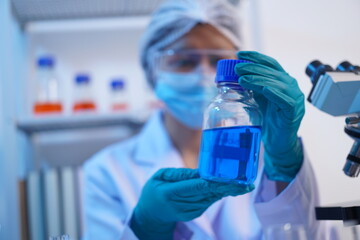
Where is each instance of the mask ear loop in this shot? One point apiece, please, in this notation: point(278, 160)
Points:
point(155, 60)
point(150, 70)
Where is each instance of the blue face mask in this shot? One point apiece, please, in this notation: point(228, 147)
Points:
point(186, 95)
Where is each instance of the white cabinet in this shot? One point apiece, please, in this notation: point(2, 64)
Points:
point(35, 10)
point(83, 36)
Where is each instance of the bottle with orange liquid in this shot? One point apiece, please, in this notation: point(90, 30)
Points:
point(83, 96)
point(118, 95)
point(47, 97)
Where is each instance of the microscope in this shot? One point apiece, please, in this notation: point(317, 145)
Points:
point(337, 92)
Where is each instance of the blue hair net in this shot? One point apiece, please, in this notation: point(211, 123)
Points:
point(174, 18)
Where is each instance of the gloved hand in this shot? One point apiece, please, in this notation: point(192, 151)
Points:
point(176, 194)
point(282, 105)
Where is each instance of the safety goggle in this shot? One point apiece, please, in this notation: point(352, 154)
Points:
point(190, 60)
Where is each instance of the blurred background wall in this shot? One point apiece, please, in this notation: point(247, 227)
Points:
point(293, 32)
point(12, 66)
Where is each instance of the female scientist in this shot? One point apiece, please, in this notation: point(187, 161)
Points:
point(148, 188)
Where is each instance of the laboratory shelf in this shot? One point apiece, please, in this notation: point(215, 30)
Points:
point(40, 10)
point(86, 25)
point(56, 123)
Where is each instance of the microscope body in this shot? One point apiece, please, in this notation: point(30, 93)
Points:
point(337, 92)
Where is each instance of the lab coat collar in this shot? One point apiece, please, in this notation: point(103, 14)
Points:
point(155, 148)
point(154, 142)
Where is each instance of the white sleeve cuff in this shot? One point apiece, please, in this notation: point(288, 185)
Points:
point(128, 233)
point(295, 204)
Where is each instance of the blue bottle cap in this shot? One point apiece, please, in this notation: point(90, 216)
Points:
point(225, 71)
point(82, 78)
point(117, 84)
point(46, 61)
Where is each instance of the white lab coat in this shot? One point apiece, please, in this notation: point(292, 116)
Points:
point(115, 176)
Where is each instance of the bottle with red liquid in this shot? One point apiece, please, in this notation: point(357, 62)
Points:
point(118, 95)
point(47, 91)
point(83, 95)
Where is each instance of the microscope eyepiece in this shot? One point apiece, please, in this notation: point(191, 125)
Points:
point(311, 67)
point(345, 66)
point(315, 69)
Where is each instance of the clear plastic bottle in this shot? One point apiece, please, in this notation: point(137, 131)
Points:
point(119, 100)
point(83, 95)
point(47, 90)
point(231, 135)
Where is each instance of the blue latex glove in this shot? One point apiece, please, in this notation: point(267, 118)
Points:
point(176, 194)
point(282, 105)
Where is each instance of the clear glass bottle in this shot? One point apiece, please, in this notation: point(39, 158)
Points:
point(47, 89)
point(84, 101)
point(119, 99)
point(231, 135)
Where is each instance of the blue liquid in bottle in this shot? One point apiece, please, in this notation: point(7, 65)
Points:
point(230, 154)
